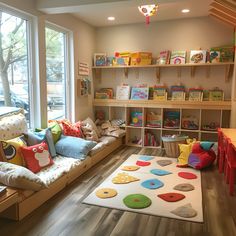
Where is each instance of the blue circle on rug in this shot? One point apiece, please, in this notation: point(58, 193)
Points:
point(145, 158)
point(160, 172)
point(152, 184)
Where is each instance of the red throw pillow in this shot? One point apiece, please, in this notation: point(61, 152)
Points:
point(72, 129)
point(37, 156)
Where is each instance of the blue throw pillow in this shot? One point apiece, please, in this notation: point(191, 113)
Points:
point(33, 138)
point(74, 147)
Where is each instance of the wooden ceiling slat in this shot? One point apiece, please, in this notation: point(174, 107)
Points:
point(223, 9)
point(223, 16)
point(228, 3)
point(222, 19)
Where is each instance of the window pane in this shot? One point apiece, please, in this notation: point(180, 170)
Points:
point(55, 63)
point(14, 89)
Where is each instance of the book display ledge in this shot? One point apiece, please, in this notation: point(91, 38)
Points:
point(148, 120)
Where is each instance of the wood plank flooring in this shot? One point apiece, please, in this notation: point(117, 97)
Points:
point(65, 215)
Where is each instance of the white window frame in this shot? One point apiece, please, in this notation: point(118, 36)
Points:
point(68, 42)
point(31, 43)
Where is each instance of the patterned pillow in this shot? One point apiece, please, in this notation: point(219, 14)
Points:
point(89, 122)
point(36, 157)
point(12, 126)
point(11, 150)
point(71, 129)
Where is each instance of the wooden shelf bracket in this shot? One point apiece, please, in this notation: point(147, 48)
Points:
point(158, 74)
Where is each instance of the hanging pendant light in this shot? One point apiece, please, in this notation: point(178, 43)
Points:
point(148, 10)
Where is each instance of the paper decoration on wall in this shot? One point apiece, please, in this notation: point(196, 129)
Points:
point(148, 10)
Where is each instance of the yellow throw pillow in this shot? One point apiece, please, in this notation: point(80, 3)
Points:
point(185, 150)
point(11, 150)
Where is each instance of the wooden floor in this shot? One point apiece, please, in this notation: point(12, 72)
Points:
point(66, 215)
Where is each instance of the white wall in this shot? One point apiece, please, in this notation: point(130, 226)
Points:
point(184, 34)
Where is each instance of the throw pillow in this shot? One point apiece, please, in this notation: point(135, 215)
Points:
point(37, 156)
point(19, 177)
point(11, 150)
point(90, 122)
point(71, 129)
point(56, 131)
point(74, 147)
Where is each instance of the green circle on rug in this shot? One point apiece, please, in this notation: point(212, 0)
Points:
point(137, 201)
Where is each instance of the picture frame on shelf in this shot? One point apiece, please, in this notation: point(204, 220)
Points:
point(178, 96)
point(100, 59)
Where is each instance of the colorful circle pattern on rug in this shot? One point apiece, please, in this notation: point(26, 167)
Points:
point(137, 201)
point(123, 178)
point(187, 175)
point(143, 163)
point(160, 172)
point(171, 197)
point(106, 193)
point(130, 168)
point(164, 162)
point(152, 184)
point(185, 211)
point(185, 187)
point(145, 158)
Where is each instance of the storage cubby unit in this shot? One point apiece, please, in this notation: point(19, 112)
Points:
point(205, 112)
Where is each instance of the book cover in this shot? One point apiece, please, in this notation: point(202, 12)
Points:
point(139, 93)
point(123, 92)
point(197, 56)
point(159, 94)
point(164, 57)
point(100, 59)
point(195, 94)
point(178, 57)
point(214, 56)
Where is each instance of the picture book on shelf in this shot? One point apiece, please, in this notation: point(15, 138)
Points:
point(197, 56)
point(216, 94)
point(226, 53)
point(164, 57)
point(100, 59)
point(195, 94)
point(139, 93)
point(178, 57)
point(136, 118)
point(123, 92)
point(171, 119)
point(214, 56)
point(159, 93)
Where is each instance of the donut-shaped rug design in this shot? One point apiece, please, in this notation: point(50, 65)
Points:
point(106, 193)
point(185, 187)
point(130, 168)
point(185, 211)
point(171, 197)
point(164, 162)
point(152, 184)
point(123, 178)
point(160, 172)
point(187, 175)
point(143, 163)
point(145, 158)
point(137, 201)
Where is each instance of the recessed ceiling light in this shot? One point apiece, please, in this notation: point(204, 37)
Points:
point(185, 10)
point(111, 18)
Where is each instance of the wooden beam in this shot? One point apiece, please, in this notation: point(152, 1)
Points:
point(223, 9)
point(228, 3)
point(222, 19)
point(223, 16)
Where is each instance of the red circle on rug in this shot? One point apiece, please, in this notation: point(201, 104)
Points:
point(143, 163)
point(187, 175)
point(171, 197)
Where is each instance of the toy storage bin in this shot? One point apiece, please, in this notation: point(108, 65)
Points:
point(171, 144)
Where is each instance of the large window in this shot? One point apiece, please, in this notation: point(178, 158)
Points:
point(14, 66)
point(56, 57)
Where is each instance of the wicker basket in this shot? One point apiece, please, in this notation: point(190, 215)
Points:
point(171, 145)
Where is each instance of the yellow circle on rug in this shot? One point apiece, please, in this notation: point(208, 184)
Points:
point(123, 178)
point(106, 193)
point(130, 168)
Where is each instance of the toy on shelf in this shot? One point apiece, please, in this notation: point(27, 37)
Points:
point(136, 118)
point(171, 119)
point(153, 120)
point(212, 126)
point(190, 122)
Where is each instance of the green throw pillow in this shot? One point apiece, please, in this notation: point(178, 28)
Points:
point(56, 131)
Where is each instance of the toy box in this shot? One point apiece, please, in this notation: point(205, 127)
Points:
point(190, 122)
point(136, 118)
point(141, 58)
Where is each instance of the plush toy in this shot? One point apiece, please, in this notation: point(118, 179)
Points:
point(202, 155)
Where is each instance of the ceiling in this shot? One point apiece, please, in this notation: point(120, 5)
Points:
point(95, 12)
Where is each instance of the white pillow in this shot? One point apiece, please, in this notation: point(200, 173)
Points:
point(19, 177)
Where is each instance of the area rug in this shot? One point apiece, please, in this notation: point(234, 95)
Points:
point(152, 185)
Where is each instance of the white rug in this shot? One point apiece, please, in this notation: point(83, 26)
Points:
point(158, 207)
